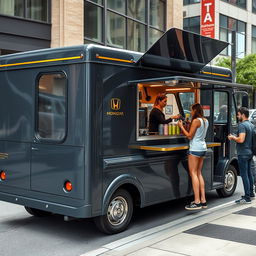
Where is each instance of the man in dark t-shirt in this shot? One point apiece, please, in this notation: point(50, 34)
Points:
point(244, 153)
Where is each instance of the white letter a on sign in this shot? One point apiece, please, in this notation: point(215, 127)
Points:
point(208, 17)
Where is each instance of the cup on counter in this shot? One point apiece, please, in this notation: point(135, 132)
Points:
point(161, 129)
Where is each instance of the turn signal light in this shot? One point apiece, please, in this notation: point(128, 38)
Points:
point(2, 175)
point(68, 186)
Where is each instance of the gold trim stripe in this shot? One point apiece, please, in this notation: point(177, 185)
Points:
point(41, 61)
point(4, 155)
point(215, 74)
point(155, 148)
point(114, 59)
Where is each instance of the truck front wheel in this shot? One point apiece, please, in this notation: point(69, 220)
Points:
point(230, 182)
point(119, 213)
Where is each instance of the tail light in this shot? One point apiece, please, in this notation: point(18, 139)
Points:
point(68, 186)
point(2, 175)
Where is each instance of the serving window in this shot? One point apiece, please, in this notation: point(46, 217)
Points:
point(179, 101)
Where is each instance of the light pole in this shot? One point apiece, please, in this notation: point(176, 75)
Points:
point(233, 56)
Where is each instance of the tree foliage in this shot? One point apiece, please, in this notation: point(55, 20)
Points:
point(245, 69)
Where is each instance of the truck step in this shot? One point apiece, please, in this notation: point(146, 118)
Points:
point(217, 185)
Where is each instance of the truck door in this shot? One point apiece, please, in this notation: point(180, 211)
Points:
point(225, 122)
point(54, 161)
point(220, 121)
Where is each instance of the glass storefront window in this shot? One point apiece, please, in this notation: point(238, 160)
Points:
point(192, 24)
point(253, 39)
point(227, 25)
point(157, 14)
point(92, 22)
point(37, 10)
point(97, 1)
point(117, 5)
point(12, 7)
point(28, 9)
point(137, 9)
point(187, 2)
point(154, 35)
point(136, 36)
point(130, 24)
point(254, 6)
point(116, 30)
point(239, 3)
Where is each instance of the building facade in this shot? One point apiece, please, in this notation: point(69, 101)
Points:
point(24, 25)
point(127, 24)
point(230, 15)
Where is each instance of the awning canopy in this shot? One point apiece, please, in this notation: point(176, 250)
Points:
point(181, 50)
point(190, 82)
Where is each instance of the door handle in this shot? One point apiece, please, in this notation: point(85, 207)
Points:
point(35, 149)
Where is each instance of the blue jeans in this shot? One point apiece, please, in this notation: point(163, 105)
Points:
point(244, 163)
point(197, 153)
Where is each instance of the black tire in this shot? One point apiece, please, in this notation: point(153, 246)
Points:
point(119, 213)
point(36, 212)
point(230, 182)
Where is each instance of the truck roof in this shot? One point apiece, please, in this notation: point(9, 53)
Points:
point(68, 55)
point(176, 50)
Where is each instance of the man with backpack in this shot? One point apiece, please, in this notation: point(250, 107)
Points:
point(244, 140)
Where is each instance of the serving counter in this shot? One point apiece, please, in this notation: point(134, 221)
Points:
point(171, 147)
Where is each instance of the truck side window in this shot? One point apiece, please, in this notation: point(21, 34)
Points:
point(187, 99)
point(233, 113)
point(51, 108)
point(220, 107)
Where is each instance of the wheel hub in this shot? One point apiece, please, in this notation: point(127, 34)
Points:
point(229, 180)
point(117, 211)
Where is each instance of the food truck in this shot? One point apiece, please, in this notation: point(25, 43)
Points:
point(74, 136)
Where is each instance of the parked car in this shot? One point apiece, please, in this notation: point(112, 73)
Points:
point(252, 116)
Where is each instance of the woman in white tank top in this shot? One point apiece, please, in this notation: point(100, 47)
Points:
point(196, 154)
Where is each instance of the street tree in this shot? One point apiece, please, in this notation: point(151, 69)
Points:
point(245, 68)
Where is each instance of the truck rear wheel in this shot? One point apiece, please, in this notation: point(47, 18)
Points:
point(230, 182)
point(119, 213)
point(36, 212)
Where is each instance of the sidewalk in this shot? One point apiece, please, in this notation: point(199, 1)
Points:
point(224, 230)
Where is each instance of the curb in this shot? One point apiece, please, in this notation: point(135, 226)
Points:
point(148, 237)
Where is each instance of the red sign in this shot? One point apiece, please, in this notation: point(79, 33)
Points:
point(208, 18)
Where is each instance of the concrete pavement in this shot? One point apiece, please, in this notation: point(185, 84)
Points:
point(227, 229)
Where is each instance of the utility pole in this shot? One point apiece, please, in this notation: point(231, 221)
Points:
point(233, 56)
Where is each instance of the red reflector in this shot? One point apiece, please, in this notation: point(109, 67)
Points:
point(68, 185)
point(2, 175)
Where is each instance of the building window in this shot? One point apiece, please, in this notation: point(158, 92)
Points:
point(254, 6)
point(187, 2)
point(253, 39)
point(238, 3)
point(94, 18)
point(38, 10)
point(51, 107)
point(227, 25)
point(127, 24)
point(192, 24)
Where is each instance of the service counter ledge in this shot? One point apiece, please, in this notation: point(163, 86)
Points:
point(170, 147)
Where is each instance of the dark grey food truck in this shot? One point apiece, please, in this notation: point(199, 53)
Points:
point(74, 136)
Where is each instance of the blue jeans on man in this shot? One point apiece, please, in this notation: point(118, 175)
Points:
point(244, 162)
